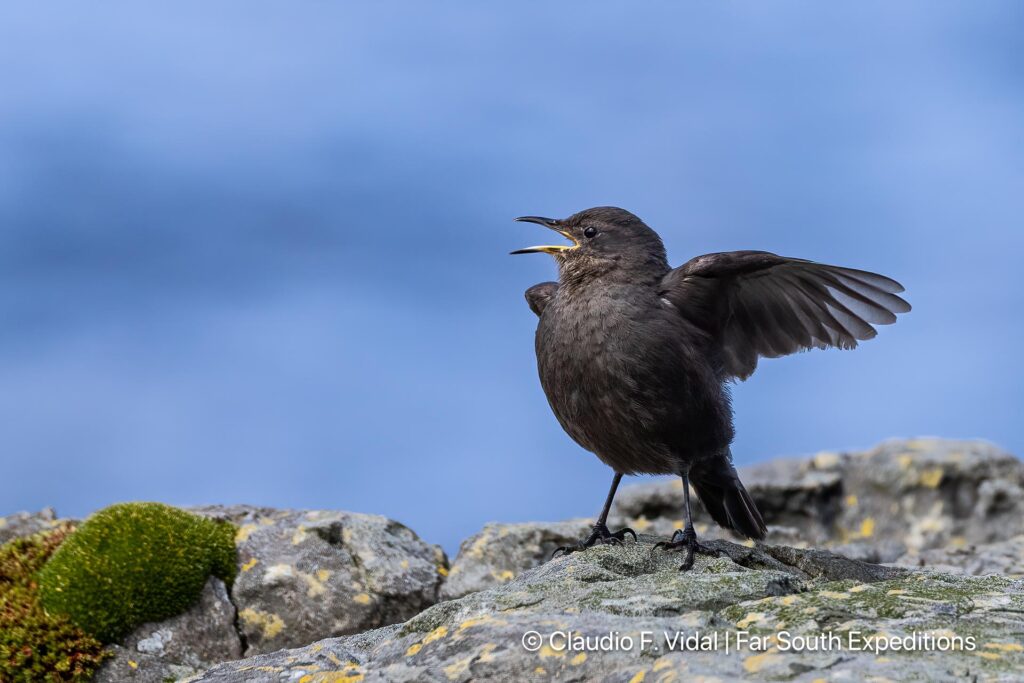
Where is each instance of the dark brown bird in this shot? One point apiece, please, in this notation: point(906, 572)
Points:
point(635, 357)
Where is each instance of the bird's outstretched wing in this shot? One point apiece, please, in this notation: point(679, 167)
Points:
point(538, 296)
point(756, 304)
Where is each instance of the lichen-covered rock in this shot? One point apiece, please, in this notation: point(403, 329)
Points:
point(881, 505)
point(21, 524)
point(177, 647)
point(305, 575)
point(876, 506)
point(922, 493)
point(612, 614)
point(1001, 557)
point(499, 552)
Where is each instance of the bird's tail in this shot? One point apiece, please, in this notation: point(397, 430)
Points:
point(720, 490)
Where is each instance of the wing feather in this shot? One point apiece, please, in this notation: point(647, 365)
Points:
point(755, 304)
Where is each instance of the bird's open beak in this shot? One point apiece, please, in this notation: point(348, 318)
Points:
point(552, 224)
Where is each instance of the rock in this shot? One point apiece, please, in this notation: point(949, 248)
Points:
point(922, 493)
point(305, 575)
point(876, 506)
point(882, 550)
point(176, 647)
point(1001, 557)
point(27, 523)
point(637, 600)
point(501, 551)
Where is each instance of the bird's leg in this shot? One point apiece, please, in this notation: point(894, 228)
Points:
point(686, 539)
point(600, 534)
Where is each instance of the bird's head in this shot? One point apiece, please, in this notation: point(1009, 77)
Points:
point(606, 242)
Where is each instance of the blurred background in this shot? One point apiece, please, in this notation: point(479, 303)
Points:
point(257, 252)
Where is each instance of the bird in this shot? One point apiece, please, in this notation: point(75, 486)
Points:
point(637, 358)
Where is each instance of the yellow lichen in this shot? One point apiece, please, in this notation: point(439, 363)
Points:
point(1005, 647)
point(486, 650)
point(243, 532)
point(436, 634)
point(641, 524)
point(751, 618)
point(477, 621)
point(337, 677)
point(547, 651)
point(834, 595)
point(270, 624)
point(867, 527)
point(458, 668)
point(314, 586)
point(931, 477)
point(755, 663)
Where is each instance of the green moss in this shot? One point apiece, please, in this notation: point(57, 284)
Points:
point(34, 645)
point(133, 563)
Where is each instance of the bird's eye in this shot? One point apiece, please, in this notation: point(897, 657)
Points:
point(589, 232)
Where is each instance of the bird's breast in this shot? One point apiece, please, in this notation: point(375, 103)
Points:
point(608, 364)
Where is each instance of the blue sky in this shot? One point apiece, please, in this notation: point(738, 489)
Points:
point(257, 252)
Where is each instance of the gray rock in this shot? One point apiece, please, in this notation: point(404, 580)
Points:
point(898, 499)
point(27, 523)
point(922, 493)
point(305, 575)
point(1002, 557)
point(883, 550)
point(629, 592)
point(176, 647)
point(499, 552)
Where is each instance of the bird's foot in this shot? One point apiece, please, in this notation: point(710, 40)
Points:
point(686, 541)
point(599, 536)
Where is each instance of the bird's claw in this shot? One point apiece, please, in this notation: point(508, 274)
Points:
point(600, 535)
point(686, 541)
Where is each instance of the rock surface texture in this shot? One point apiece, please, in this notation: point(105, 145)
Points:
point(27, 523)
point(499, 552)
point(637, 598)
point(304, 574)
point(920, 493)
point(357, 595)
point(177, 647)
point(912, 502)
